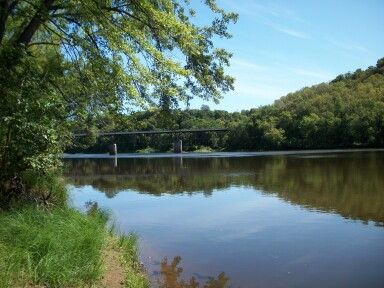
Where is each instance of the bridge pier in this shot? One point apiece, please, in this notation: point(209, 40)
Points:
point(115, 162)
point(113, 149)
point(178, 146)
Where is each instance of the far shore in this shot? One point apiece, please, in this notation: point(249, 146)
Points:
point(217, 154)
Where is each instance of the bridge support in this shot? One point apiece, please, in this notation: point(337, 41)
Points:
point(178, 146)
point(113, 149)
point(115, 162)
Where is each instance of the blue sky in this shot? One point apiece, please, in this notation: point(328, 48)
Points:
point(282, 46)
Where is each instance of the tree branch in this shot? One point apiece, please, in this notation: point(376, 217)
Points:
point(36, 21)
point(126, 13)
point(90, 36)
point(44, 43)
point(4, 12)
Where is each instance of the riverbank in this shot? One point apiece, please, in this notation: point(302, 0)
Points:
point(55, 245)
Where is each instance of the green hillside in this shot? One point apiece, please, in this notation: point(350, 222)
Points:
point(345, 112)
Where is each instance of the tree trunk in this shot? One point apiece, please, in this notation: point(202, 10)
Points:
point(35, 23)
point(4, 12)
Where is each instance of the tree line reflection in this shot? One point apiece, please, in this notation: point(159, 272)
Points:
point(350, 184)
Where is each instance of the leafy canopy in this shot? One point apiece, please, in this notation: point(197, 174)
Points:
point(140, 51)
point(66, 62)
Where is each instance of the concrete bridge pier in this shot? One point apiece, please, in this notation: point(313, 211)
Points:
point(113, 149)
point(178, 146)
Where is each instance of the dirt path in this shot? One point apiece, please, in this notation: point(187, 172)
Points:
point(114, 275)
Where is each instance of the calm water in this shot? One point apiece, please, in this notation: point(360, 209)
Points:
point(313, 220)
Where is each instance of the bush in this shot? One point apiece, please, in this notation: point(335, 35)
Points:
point(49, 187)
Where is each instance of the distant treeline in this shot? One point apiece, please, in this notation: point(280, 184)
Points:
point(346, 112)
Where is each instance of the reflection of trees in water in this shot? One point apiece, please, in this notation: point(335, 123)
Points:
point(154, 176)
point(171, 272)
point(350, 184)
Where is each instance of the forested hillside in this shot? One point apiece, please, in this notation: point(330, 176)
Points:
point(345, 112)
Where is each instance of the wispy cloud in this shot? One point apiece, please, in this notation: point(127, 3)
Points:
point(243, 63)
point(270, 14)
point(349, 46)
point(258, 91)
point(249, 7)
point(273, 9)
point(316, 74)
point(288, 31)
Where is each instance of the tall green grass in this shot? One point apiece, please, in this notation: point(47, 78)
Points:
point(46, 243)
point(135, 276)
point(57, 248)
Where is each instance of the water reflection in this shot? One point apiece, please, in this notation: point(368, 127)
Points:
point(265, 221)
point(349, 184)
point(171, 277)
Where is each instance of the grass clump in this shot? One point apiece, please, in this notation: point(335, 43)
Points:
point(135, 275)
point(60, 247)
point(46, 243)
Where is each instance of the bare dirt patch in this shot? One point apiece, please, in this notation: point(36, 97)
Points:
point(114, 275)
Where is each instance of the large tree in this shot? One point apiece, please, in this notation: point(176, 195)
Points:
point(64, 61)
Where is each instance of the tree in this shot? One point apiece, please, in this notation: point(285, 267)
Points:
point(65, 62)
point(205, 108)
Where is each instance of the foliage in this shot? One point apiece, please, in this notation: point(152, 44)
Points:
point(50, 187)
point(202, 149)
point(32, 130)
point(346, 112)
point(160, 120)
point(66, 63)
point(34, 187)
point(146, 150)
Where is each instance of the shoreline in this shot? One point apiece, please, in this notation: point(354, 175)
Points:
point(216, 154)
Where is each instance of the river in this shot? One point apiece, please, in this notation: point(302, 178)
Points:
point(245, 220)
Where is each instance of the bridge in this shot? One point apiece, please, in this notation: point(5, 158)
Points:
point(177, 145)
point(179, 131)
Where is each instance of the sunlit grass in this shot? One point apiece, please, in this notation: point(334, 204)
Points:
point(57, 248)
point(46, 243)
point(135, 276)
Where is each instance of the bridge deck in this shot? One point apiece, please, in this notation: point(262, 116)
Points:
point(156, 132)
